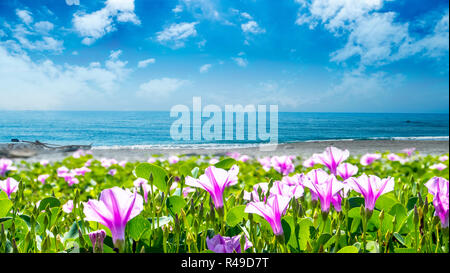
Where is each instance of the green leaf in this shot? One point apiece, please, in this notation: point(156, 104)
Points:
point(52, 201)
point(286, 230)
point(144, 170)
point(355, 202)
point(348, 249)
point(399, 238)
point(185, 170)
point(399, 211)
point(137, 226)
point(226, 163)
point(405, 250)
point(386, 202)
point(194, 172)
point(72, 233)
point(175, 204)
point(372, 247)
point(236, 215)
point(411, 202)
point(304, 232)
point(5, 206)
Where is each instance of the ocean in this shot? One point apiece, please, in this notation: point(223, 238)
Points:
point(147, 129)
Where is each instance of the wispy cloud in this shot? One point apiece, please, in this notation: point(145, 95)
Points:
point(160, 88)
point(145, 63)
point(176, 35)
point(205, 68)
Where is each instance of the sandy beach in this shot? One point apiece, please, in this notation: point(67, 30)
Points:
point(302, 149)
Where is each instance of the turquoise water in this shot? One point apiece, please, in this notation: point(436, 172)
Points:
point(153, 128)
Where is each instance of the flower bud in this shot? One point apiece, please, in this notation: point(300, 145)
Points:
point(97, 238)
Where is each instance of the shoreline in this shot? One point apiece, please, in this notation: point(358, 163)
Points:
point(302, 149)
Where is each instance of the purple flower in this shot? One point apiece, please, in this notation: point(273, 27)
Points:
point(394, 157)
point(331, 158)
point(97, 237)
point(151, 160)
point(5, 166)
point(368, 159)
point(114, 209)
point(220, 244)
point(283, 164)
point(123, 163)
point(112, 172)
point(326, 188)
point(62, 170)
point(42, 178)
point(316, 176)
point(346, 170)
point(287, 190)
point(438, 187)
point(9, 186)
point(215, 181)
point(438, 167)
point(68, 207)
point(234, 155)
point(106, 163)
point(371, 187)
point(272, 211)
point(213, 161)
point(443, 158)
point(265, 163)
point(187, 191)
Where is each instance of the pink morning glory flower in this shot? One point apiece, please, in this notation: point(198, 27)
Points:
point(272, 211)
point(97, 237)
point(331, 158)
point(219, 244)
point(438, 187)
point(6, 165)
point(173, 159)
point(213, 161)
point(326, 189)
point(409, 151)
point(44, 162)
point(368, 159)
point(151, 160)
point(62, 170)
point(284, 189)
point(9, 186)
point(79, 153)
point(42, 178)
point(265, 163)
point(244, 158)
point(317, 176)
point(346, 170)
point(260, 187)
point(234, 155)
point(309, 163)
point(371, 187)
point(443, 158)
point(146, 188)
point(283, 164)
point(123, 163)
point(114, 209)
point(68, 207)
point(106, 163)
point(214, 181)
point(112, 172)
point(88, 163)
point(187, 191)
point(438, 167)
point(82, 171)
point(394, 157)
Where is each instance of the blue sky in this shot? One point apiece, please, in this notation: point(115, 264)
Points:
point(303, 55)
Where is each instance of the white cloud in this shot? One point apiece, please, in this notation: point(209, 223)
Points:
point(73, 2)
point(177, 9)
point(176, 35)
point(252, 27)
point(372, 35)
point(145, 63)
point(26, 39)
point(202, 9)
point(205, 68)
point(43, 27)
point(240, 61)
point(25, 16)
point(93, 26)
point(246, 15)
point(44, 85)
point(160, 88)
